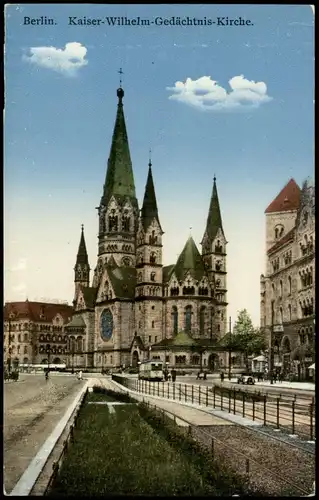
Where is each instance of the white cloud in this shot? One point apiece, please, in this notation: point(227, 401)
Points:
point(207, 94)
point(67, 61)
point(20, 266)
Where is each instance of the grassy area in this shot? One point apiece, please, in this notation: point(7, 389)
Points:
point(122, 454)
point(107, 395)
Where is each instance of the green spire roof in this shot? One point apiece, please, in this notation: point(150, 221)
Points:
point(189, 260)
point(119, 176)
point(214, 219)
point(82, 256)
point(149, 208)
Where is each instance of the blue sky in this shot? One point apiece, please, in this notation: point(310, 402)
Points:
point(254, 132)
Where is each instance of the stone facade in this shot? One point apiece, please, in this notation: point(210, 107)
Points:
point(35, 333)
point(288, 287)
point(135, 302)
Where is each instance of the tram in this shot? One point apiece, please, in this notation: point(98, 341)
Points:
point(151, 370)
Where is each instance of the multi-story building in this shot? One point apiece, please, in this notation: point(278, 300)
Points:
point(288, 287)
point(134, 302)
point(34, 333)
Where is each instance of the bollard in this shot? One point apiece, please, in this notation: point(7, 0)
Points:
point(199, 395)
point(207, 396)
point(221, 399)
point(174, 392)
point(253, 408)
point(192, 394)
point(265, 415)
point(311, 421)
point(212, 447)
point(244, 398)
point(214, 396)
point(293, 416)
point(185, 393)
point(180, 391)
point(229, 400)
point(278, 413)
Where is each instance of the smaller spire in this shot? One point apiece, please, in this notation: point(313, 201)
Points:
point(82, 256)
point(149, 208)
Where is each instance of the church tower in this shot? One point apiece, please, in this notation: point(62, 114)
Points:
point(214, 256)
point(81, 268)
point(118, 210)
point(149, 283)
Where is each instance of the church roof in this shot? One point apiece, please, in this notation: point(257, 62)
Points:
point(214, 219)
point(167, 271)
point(123, 280)
point(287, 199)
point(77, 322)
point(119, 176)
point(149, 209)
point(190, 261)
point(82, 256)
point(182, 339)
point(89, 294)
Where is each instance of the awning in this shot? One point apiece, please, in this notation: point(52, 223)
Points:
point(260, 358)
point(312, 367)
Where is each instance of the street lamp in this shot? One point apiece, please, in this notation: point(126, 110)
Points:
point(271, 364)
point(230, 350)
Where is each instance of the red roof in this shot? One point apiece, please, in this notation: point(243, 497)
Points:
point(285, 239)
point(287, 199)
point(37, 311)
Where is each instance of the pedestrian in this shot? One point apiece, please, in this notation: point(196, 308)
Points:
point(80, 375)
point(222, 376)
point(46, 374)
point(275, 377)
point(173, 372)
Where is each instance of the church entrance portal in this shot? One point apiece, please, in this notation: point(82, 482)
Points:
point(213, 362)
point(135, 359)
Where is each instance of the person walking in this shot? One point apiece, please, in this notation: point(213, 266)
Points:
point(80, 375)
point(222, 376)
point(173, 372)
point(46, 375)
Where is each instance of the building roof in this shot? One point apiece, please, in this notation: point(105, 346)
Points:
point(149, 209)
point(37, 311)
point(287, 199)
point(82, 256)
point(167, 272)
point(119, 176)
point(182, 339)
point(283, 241)
point(89, 294)
point(214, 219)
point(123, 280)
point(190, 261)
point(76, 322)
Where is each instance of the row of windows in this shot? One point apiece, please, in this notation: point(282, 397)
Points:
point(152, 240)
point(306, 246)
point(153, 259)
point(188, 290)
point(306, 307)
point(113, 223)
point(149, 291)
point(281, 287)
point(306, 277)
point(48, 338)
point(17, 349)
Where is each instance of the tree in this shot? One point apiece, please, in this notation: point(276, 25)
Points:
point(245, 337)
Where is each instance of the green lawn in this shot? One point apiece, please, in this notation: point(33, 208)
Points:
point(122, 454)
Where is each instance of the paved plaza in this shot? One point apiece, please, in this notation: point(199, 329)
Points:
point(32, 409)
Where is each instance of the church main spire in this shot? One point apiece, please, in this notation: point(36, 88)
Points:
point(119, 177)
point(149, 209)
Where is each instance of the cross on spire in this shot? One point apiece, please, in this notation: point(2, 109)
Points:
point(120, 72)
point(150, 157)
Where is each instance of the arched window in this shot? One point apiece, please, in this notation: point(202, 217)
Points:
point(280, 288)
point(79, 344)
point(202, 320)
point(153, 258)
point(280, 315)
point(125, 222)
point(188, 319)
point(106, 324)
point(289, 312)
point(175, 320)
point(153, 324)
point(289, 285)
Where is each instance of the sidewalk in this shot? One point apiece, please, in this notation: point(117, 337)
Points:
point(305, 386)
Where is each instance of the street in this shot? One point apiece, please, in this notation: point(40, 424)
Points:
point(32, 408)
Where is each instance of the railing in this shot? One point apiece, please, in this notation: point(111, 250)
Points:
point(281, 412)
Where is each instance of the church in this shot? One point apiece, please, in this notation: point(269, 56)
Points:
point(135, 308)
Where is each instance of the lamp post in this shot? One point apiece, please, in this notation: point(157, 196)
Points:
point(271, 364)
point(230, 350)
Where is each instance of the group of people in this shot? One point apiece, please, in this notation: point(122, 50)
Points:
point(170, 376)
